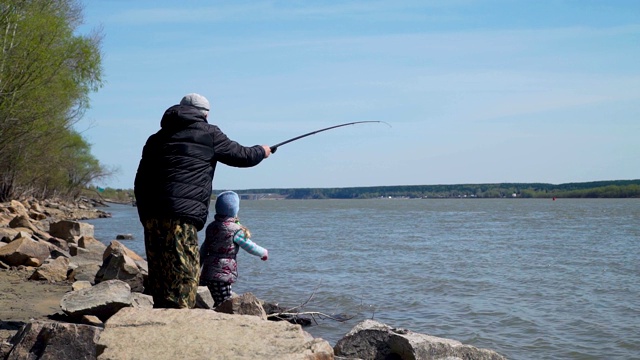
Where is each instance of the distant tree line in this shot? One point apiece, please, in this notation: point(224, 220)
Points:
point(596, 189)
point(123, 196)
point(47, 72)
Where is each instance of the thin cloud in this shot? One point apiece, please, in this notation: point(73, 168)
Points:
point(272, 11)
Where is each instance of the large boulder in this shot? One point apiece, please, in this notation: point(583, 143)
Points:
point(16, 207)
point(70, 230)
point(102, 300)
point(24, 251)
point(86, 261)
point(91, 244)
point(62, 244)
point(116, 246)
point(85, 271)
point(118, 265)
point(376, 341)
point(54, 250)
point(89, 251)
point(8, 234)
point(24, 233)
point(204, 334)
point(21, 221)
point(35, 206)
point(35, 215)
point(54, 340)
point(52, 270)
point(85, 266)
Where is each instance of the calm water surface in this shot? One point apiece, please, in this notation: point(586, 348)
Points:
point(531, 279)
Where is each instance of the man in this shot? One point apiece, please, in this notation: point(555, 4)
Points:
point(173, 189)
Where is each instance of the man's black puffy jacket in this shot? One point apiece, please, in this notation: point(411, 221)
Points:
point(175, 174)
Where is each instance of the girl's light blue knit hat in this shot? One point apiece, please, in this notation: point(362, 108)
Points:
point(228, 204)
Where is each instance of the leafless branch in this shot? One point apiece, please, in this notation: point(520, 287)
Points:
point(313, 314)
point(294, 313)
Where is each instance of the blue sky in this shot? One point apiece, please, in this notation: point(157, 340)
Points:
point(474, 91)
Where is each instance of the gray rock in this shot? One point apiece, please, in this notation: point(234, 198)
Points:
point(204, 300)
point(376, 341)
point(84, 255)
point(79, 285)
point(143, 266)
point(93, 254)
point(204, 334)
point(140, 300)
point(124, 237)
point(102, 300)
point(53, 340)
point(245, 304)
point(84, 272)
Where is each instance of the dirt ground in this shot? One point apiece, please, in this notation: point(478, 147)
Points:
point(22, 299)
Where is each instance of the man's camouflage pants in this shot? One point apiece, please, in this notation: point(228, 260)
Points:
point(174, 262)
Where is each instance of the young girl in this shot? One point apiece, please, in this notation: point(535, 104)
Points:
point(224, 236)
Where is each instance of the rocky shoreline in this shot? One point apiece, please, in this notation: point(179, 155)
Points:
point(66, 295)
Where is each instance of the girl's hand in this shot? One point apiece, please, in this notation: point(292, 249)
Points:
point(265, 257)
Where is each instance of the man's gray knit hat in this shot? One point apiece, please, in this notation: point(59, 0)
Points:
point(196, 100)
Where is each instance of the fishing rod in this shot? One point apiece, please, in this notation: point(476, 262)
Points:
point(275, 147)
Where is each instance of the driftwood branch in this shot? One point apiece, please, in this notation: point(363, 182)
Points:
point(304, 303)
point(313, 314)
point(295, 312)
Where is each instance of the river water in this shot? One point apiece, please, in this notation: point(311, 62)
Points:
point(529, 278)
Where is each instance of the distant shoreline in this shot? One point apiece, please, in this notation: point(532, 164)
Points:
point(594, 189)
point(611, 189)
